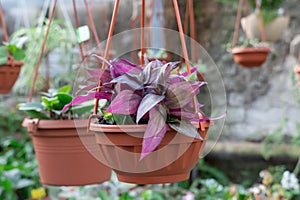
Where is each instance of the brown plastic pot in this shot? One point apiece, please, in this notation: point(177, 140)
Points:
point(120, 146)
point(9, 73)
point(250, 56)
point(62, 158)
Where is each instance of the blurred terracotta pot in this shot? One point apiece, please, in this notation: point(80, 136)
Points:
point(273, 30)
point(250, 56)
point(62, 158)
point(171, 161)
point(9, 73)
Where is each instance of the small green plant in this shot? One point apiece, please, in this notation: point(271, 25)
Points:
point(17, 53)
point(61, 41)
point(52, 103)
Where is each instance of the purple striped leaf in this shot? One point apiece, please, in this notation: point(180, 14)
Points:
point(126, 103)
point(147, 103)
point(80, 99)
point(180, 94)
point(155, 131)
point(186, 128)
point(122, 66)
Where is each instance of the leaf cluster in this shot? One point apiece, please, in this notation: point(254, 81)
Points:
point(52, 103)
point(149, 94)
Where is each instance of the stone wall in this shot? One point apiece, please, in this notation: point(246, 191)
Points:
point(258, 99)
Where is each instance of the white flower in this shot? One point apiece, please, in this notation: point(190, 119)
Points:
point(188, 196)
point(289, 181)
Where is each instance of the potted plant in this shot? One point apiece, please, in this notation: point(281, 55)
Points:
point(275, 22)
point(62, 158)
point(10, 66)
point(149, 132)
point(250, 53)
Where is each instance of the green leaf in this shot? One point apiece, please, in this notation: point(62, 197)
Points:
point(49, 102)
point(31, 106)
point(35, 114)
point(63, 99)
point(65, 89)
point(17, 53)
point(103, 195)
point(83, 108)
point(3, 55)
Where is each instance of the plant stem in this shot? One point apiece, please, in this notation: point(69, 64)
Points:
point(297, 168)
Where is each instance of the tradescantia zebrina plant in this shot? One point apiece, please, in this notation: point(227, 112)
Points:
point(154, 94)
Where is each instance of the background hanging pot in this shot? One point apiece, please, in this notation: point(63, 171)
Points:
point(250, 56)
point(62, 158)
point(273, 30)
point(121, 145)
point(9, 73)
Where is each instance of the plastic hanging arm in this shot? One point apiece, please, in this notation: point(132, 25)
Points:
point(143, 33)
point(193, 31)
point(183, 45)
point(42, 50)
point(261, 22)
point(3, 24)
point(108, 43)
point(92, 24)
point(237, 24)
point(77, 25)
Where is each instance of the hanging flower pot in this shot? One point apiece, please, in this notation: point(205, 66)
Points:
point(166, 145)
point(250, 56)
point(10, 60)
point(9, 73)
point(250, 53)
point(151, 130)
point(121, 146)
point(62, 158)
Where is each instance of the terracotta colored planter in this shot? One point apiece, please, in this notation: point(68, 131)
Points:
point(250, 56)
point(273, 30)
point(172, 161)
point(297, 71)
point(9, 74)
point(62, 158)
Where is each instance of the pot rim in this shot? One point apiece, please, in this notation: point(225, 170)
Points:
point(130, 128)
point(245, 50)
point(13, 64)
point(55, 124)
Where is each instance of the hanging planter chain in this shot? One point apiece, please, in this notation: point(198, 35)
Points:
point(238, 19)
